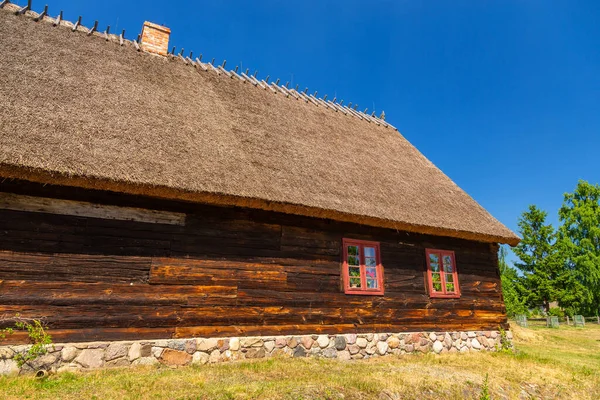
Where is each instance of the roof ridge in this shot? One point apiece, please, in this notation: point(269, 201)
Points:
point(244, 77)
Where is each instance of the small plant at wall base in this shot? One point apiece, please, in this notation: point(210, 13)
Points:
point(39, 338)
point(505, 345)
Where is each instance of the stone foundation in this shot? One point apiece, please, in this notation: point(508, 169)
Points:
point(179, 352)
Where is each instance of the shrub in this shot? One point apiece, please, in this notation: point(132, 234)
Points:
point(39, 338)
point(556, 312)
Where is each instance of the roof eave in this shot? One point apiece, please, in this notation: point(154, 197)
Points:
point(94, 183)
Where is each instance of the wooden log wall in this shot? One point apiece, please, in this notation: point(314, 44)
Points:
point(221, 271)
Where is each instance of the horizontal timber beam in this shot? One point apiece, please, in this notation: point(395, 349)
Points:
point(17, 202)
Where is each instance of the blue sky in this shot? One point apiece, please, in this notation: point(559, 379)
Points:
point(503, 96)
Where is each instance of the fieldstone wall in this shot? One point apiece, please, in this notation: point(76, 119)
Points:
point(179, 352)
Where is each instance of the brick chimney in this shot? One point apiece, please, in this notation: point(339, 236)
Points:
point(155, 38)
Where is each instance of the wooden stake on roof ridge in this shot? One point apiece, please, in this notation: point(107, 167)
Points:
point(181, 51)
point(122, 37)
point(267, 78)
point(93, 29)
point(42, 15)
point(199, 58)
point(24, 9)
point(333, 105)
point(252, 80)
point(312, 100)
point(279, 88)
point(58, 19)
point(234, 73)
point(340, 108)
point(220, 67)
point(322, 102)
point(201, 64)
point(211, 65)
point(291, 93)
point(303, 96)
point(351, 111)
point(224, 62)
point(106, 32)
point(191, 55)
point(266, 86)
point(77, 23)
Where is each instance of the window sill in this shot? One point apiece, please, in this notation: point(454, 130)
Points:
point(365, 292)
point(444, 296)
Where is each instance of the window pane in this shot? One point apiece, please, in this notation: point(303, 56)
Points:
point(370, 262)
point(436, 279)
point(434, 262)
point(371, 283)
point(450, 283)
point(448, 265)
point(355, 283)
point(372, 272)
point(369, 251)
point(353, 260)
point(353, 250)
point(354, 272)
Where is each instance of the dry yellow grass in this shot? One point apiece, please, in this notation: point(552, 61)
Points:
point(563, 363)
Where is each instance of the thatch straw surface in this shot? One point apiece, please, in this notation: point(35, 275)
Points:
point(80, 110)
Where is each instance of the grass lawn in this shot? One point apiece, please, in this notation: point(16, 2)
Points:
point(549, 363)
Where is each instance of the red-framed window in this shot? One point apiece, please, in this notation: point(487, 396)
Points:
point(362, 271)
point(442, 274)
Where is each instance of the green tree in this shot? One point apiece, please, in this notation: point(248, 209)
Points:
point(513, 290)
point(579, 239)
point(540, 261)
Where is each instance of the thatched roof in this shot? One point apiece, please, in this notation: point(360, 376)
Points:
point(83, 111)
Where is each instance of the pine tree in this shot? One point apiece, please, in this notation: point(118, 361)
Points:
point(540, 262)
point(579, 239)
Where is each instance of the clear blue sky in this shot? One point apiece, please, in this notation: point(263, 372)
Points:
point(503, 96)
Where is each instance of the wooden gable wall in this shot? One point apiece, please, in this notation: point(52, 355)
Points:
point(220, 272)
